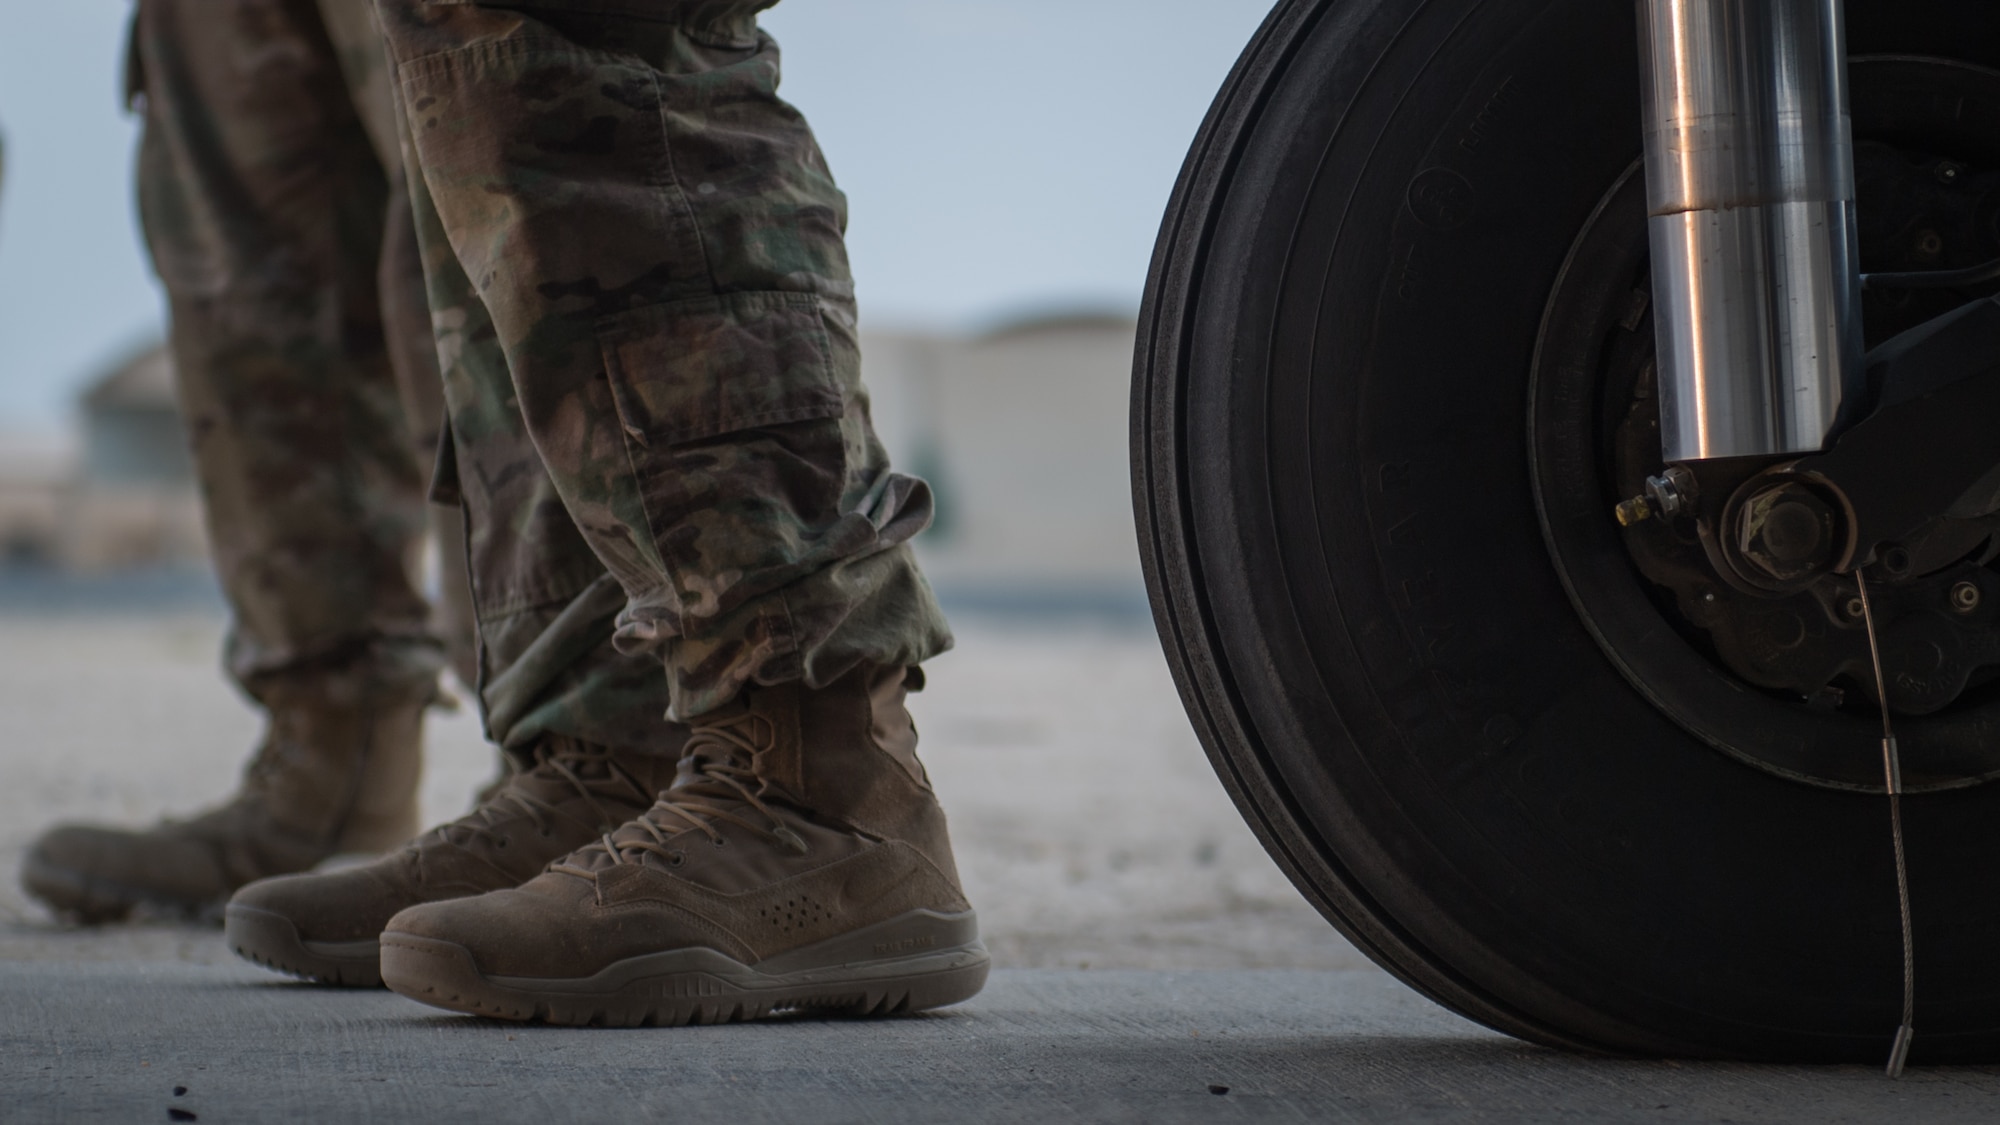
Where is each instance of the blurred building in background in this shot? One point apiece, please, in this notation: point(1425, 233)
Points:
point(1021, 430)
point(1022, 433)
point(133, 502)
point(33, 475)
point(120, 495)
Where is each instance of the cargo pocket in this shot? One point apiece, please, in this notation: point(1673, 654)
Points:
point(689, 370)
point(732, 410)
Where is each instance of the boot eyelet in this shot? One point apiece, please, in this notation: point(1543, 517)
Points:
point(676, 859)
point(721, 840)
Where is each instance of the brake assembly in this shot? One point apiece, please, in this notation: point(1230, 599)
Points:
point(1762, 553)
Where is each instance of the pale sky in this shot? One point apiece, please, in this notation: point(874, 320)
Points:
point(999, 156)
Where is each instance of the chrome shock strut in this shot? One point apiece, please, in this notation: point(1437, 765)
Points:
point(1750, 196)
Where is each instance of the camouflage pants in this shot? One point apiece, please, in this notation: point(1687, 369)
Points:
point(300, 335)
point(274, 202)
point(636, 266)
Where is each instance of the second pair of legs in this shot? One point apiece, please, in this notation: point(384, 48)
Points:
point(791, 854)
point(617, 258)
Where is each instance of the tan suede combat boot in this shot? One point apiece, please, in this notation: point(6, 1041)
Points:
point(330, 777)
point(799, 861)
point(323, 926)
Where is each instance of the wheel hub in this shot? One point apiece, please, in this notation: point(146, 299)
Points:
point(1747, 562)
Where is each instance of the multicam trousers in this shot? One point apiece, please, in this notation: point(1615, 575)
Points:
point(636, 266)
point(299, 329)
point(634, 255)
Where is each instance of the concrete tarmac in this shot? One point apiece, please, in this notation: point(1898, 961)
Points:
point(1089, 828)
point(172, 1041)
point(1147, 951)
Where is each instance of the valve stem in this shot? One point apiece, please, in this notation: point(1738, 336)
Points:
point(1666, 496)
point(1635, 510)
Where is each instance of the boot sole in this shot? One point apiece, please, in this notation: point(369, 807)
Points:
point(273, 941)
point(847, 975)
point(97, 902)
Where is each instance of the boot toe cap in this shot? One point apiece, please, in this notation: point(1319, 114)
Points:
point(72, 847)
point(331, 906)
point(542, 929)
point(103, 872)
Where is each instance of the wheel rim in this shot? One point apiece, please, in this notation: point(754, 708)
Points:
point(1593, 440)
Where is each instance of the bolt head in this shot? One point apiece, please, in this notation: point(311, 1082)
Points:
point(1965, 597)
point(1671, 492)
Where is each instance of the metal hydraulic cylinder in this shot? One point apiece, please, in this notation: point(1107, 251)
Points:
point(1750, 195)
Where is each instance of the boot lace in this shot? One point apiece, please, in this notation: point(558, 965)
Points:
point(719, 784)
point(590, 770)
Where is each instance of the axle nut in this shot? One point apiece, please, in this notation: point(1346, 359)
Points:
point(1786, 532)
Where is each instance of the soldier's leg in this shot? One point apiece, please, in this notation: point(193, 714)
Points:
point(658, 243)
point(535, 588)
point(583, 724)
point(263, 204)
point(406, 314)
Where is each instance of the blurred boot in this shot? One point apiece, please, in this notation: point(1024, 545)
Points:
point(324, 926)
point(799, 861)
point(332, 776)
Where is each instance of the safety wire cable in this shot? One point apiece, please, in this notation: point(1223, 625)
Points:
point(1892, 777)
